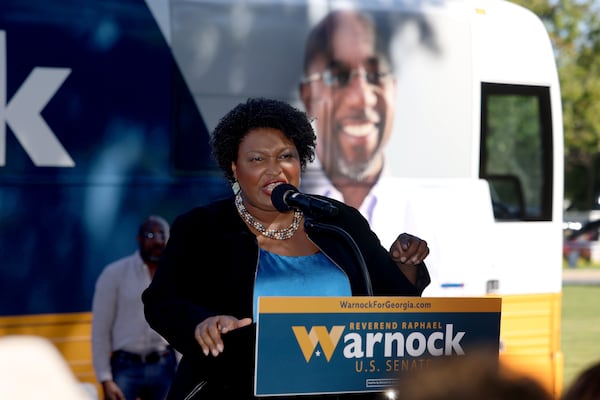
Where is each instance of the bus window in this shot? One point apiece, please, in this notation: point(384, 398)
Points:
point(516, 150)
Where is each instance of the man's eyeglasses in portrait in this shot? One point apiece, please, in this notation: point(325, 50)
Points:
point(339, 76)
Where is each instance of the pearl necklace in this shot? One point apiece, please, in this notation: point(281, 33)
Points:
point(278, 234)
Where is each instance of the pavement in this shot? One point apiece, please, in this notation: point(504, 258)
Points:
point(581, 276)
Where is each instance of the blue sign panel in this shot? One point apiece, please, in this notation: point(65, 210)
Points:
point(363, 344)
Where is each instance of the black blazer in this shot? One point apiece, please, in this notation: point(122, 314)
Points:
point(208, 268)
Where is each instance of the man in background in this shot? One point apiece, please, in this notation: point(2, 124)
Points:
point(131, 360)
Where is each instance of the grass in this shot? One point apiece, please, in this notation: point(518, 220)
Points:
point(580, 329)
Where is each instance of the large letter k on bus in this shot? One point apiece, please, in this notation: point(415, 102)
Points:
point(23, 114)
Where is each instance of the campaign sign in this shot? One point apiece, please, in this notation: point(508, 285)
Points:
point(318, 345)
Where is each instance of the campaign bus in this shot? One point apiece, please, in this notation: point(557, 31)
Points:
point(106, 109)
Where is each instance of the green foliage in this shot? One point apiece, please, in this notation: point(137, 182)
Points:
point(510, 154)
point(574, 29)
point(580, 329)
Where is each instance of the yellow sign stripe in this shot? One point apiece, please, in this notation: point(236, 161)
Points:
point(377, 304)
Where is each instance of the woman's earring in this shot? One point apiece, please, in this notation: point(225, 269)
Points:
point(236, 187)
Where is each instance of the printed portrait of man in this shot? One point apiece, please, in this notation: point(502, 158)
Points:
point(349, 89)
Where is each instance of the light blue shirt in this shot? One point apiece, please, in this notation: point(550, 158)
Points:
point(313, 275)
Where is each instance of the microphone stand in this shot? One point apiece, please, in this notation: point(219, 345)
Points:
point(310, 223)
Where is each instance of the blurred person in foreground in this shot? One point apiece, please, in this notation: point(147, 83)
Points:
point(585, 386)
point(131, 360)
point(222, 256)
point(31, 367)
point(476, 376)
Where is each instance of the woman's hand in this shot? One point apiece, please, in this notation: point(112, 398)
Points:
point(409, 249)
point(208, 332)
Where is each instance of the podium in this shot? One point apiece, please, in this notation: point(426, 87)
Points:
point(323, 345)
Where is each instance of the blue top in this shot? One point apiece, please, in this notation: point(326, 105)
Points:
point(313, 275)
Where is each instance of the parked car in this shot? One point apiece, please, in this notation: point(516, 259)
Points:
point(579, 243)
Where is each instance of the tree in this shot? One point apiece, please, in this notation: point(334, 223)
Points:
point(574, 29)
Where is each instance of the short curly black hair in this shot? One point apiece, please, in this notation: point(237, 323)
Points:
point(261, 113)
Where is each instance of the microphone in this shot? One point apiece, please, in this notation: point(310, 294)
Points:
point(285, 197)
